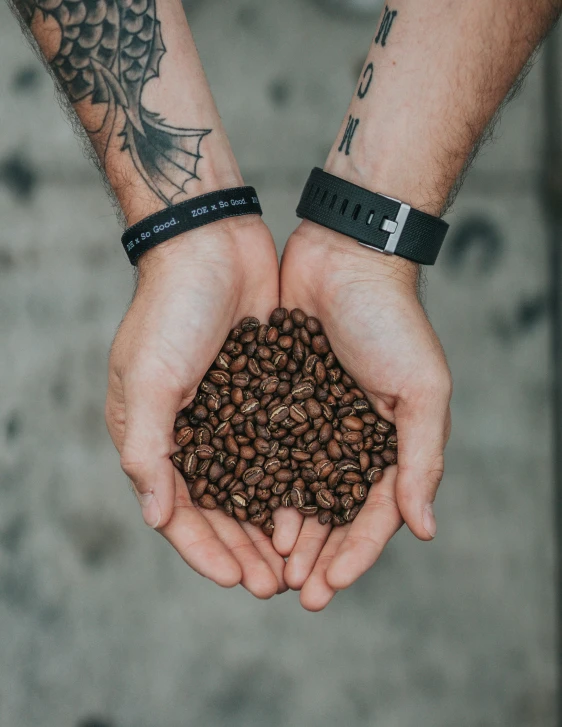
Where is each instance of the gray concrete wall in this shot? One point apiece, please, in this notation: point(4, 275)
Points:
point(99, 618)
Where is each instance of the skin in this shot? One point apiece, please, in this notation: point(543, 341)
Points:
point(430, 99)
point(440, 77)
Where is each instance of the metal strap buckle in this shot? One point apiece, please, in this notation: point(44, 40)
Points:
point(395, 228)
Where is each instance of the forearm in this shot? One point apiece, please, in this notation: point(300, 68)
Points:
point(434, 77)
point(132, 73)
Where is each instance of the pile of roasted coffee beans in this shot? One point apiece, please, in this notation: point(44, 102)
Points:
point(277, 423)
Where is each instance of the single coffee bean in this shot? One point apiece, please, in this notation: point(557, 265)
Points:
point(353, 423)
point(268, 527)
point(253, 475)
point(297, 498)
point(177, 459)
point(184, 436)
point(303, 390)
point(298, 317)
point(359, 492)
point(325, 499)
point(324, 517)
point(308, 510)
point(240, 513)
point(374, 475)
point(240, 499)
point(208, 502)
point(239, 364)
point(278, 413)
point(198, 488)
point(389, 456)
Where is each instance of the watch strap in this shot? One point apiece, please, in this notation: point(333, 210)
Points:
point(374, 220)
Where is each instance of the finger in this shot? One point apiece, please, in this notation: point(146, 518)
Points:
point(421, 425)
point(197, 543)
point(150, 412)
point(311, 540)
point(317, 593)
point(257, 577)
point(288, 524)
point(368, 534)
point(265, 548)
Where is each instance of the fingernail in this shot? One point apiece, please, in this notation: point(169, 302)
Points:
point(150, 509)
point(429, 520)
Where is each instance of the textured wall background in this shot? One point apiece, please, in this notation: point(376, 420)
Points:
point(101, 624)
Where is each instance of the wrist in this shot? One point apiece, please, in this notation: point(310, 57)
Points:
point(393, 176)
point(219, 174)
point(226, 242)
point(334, 252)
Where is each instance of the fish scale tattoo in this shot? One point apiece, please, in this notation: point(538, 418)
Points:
point(109, 50)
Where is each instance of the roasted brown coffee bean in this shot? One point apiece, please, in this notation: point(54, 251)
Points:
point(347, 501)
point(389, 456)
point(198, 488)
point(240, 499)
point(221, 378)
point(392, 442)
point(353, 423)
point(298, 317)
point(278, 316)
point(325, 499)
point(324, 517)
point(268, 527)
point(298, 413)
point(240, 513)
point(278, 413)
point(239, 364)
point(303, 390)
point(374, 475)
point(177, 459)
point(297, 498)
point(253, 475)
point(227, 412)
point(308, 510)
point(181, 421)
point(313, 408)
point(359, 492)
point(249, 324)
point(382, 427)
point(190, 464)
point(216, 471)
point(184, 436)
point(204, 451)
point(208, 502)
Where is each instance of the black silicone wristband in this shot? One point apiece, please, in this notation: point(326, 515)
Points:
point(372, 219)
point(186, 216)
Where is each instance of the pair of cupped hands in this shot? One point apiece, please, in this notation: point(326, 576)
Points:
point(191, 291)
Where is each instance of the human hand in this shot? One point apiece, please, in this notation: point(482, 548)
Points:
point(377, 328)
point(191, 291)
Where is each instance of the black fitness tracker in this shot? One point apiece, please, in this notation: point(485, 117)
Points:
point(374, 220)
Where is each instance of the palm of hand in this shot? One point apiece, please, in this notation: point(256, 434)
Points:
point(382, 337)
point(189, 296)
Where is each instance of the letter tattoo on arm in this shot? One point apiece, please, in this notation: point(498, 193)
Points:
point(366, 80)
point(385, 26)
point(109, 50)
point(352, 125)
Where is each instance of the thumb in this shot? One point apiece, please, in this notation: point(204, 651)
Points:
point(422, 427)
point(150, 413)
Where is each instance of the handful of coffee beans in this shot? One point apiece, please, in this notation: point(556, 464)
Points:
point(277, 423)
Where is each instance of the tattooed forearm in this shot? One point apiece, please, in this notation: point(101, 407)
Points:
point(385, 26)
point(108, 51)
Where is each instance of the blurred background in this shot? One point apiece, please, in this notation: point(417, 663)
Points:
point(101, 624)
